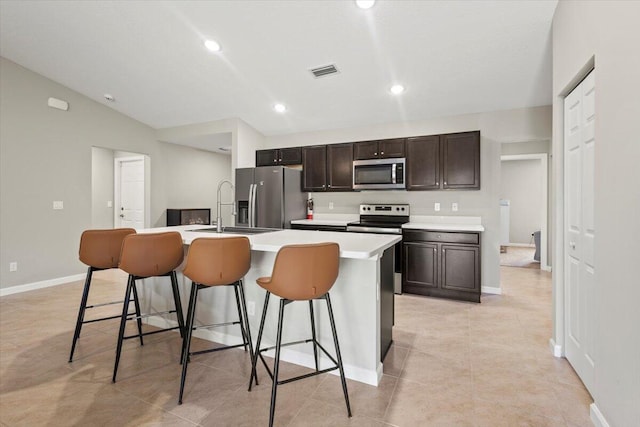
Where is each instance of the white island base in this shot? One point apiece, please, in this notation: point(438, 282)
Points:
point(362, 300)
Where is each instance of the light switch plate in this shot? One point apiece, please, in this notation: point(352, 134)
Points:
point(13, 266)
point(436, 207)
point(330, 205)
point(57, 204)
point(109, 204)
point(454, 207)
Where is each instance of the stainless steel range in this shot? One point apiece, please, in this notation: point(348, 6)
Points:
point(384, 219)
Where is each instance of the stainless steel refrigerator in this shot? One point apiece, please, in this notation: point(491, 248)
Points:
point(269, 196)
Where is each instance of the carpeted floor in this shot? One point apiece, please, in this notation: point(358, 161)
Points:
point(517, 256)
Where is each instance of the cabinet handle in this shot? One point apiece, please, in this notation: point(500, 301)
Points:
point(445, 183)
point(329, 185)
point(443, 251)
point(279, 160)
point(382, 152)
point(375, 154)
point(435, 249)
point(437, 182)
point(275, 160)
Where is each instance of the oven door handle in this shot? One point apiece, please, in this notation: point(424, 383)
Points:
point(375, 230)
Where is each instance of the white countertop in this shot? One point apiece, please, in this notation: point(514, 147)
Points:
point(445, 223)
point(352, 245)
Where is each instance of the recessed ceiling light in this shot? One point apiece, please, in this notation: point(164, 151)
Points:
point(280, 108)
point(212, 45)
point(365, 4)
point(397, 89)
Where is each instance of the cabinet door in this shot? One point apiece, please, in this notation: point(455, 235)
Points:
point(290, 156)
point(461, 160)
point(460, 268)
point(420, 266)
point(391, 148)
point(266, 157)
point(340, 167)
point(365, 150)
point(314, 165)
point(423, 163)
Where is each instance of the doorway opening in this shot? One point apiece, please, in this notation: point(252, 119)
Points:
point(120, 189)
point(524, 211)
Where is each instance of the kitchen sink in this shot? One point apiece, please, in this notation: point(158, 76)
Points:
point(238, 230)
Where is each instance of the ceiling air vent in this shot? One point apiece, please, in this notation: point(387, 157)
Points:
point(324, 71)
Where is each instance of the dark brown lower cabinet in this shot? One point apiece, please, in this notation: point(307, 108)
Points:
point(442, 264)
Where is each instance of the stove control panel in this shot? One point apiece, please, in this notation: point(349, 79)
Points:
point(387, 210)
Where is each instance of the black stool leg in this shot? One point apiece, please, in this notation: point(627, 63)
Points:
point(313, 334)
point(123, 321)
point(136, 303)
point(191, 314)
point(243, 303)
point(81, 310)
point(257, 352)
point(192, 296)
point(178, 304)
point(339, 357)
point(240, 315)
point(276, 364)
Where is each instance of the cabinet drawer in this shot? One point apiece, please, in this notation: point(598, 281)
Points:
point(440, 236)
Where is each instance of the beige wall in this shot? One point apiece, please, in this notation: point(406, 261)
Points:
point(607, 32)
point(496, 127)
point(101, 187)
point(46, 155)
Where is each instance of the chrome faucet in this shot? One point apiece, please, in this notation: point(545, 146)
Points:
point(219, 206)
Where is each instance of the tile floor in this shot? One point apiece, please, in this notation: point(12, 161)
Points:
point(452, 364)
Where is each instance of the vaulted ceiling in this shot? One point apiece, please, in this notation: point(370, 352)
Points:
point(453, 57)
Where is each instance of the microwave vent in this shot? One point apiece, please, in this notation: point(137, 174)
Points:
point(324, 71)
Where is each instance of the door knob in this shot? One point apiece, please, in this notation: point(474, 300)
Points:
point(121, 215)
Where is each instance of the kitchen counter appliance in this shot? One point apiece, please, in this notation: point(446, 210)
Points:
point(384, 219)
point(269, 197)
point(379, 174)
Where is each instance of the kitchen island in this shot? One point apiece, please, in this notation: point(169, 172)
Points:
point(362, 299)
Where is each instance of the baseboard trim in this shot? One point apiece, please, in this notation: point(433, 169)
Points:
point(371, 377)
point(597, 418)
point(40, 285)
point(556, 349)
point(494, 290)
point(546, 268)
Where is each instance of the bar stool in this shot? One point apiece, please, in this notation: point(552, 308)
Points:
point(144, 256)
point(100, 250)
point(210, 263)
point(301, 273)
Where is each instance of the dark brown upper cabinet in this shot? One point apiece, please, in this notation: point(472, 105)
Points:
point(423, 163)
point(340, 167)
point(327, 168)
point(460, 154)
point(386, 148)
point(279, 156)
point(444, 162)
point(314, 168)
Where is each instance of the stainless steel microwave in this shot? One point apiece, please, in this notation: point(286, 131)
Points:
point(379, 174)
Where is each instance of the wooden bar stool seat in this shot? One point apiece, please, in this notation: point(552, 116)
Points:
point(100, 250)
point(301, 273)
point(144, 256)
point(213, 262)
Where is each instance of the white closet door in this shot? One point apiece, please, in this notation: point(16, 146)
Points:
point(580, 312)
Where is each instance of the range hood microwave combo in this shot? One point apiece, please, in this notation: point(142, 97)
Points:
point(379, 174)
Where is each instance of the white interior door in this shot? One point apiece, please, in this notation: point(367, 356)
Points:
point(131, 197)
point(579, 285)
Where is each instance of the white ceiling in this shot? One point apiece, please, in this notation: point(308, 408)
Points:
point(453, 57)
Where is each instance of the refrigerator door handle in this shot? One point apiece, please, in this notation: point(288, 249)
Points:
point(254, 195)
point(250, 218)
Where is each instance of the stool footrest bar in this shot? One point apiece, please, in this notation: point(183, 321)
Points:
point(117, 316)
point(103, 304)
point(312, 374)
point(215, 325)
point(144, 316)
point(211, 350)
point(150, 333)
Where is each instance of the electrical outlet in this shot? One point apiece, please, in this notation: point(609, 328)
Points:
point(330, 205)
point(251, 308)
point(57, 205)
point(13, 266)
point(436, 207)
point(454, 207)
point(109, 203)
